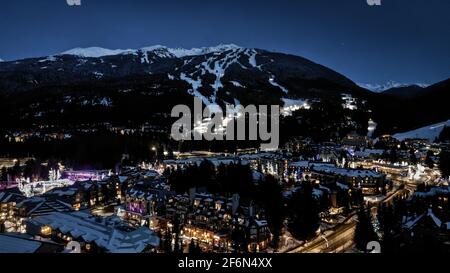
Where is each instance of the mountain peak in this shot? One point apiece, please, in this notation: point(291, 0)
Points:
point(378, 88)
point(96, 52)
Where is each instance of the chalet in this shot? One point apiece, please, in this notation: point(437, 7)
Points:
point(370, 182)
point(94, 234)
point(427, 232)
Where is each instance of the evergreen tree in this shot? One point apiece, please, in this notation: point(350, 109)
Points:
point(389, 227)
point(393, 156)
point(364, 232)
point(4, 174)
point(444, 163)
point(305, 213)
point(192, 247)
point(445, 134)
point(239, 239)
point(198, 250)
point(429, 160)
point(177, 230)
point(412, 157)
point(272, 200)
point(168, 241)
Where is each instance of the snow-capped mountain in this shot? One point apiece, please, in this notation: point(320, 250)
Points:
point(223, 73)
point(89, 85)
point(161, 51)
point(378, 88)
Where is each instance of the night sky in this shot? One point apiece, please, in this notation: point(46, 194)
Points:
point(402, 40)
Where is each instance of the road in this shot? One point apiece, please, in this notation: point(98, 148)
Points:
point(335, 241)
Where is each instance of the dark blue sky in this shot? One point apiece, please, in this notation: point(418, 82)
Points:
point(402, 40)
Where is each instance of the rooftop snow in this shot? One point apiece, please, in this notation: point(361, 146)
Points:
point(85, 225)
point(346, 172)
point(9, 244)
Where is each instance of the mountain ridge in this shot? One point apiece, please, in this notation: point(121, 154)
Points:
point(134, 83)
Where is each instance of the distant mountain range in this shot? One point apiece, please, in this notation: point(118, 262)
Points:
point(378, 88)
point(94, 84)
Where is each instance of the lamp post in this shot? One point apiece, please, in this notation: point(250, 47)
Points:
point(156, 153)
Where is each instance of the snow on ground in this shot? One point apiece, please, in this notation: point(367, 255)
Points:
point(48, 59)
point(196, 84)
point(429, 132)
point(97, 74)
point(237, 84)
point(252, 58)
point(291, 106)
point(181, 52)
point(217, 66)
point(273, 82)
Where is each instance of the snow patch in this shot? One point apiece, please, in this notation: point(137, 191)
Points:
point(429, 132)
point(237, 84)
point(196, 84)
point(48, 59)
point(273, 82)
point(98, 75)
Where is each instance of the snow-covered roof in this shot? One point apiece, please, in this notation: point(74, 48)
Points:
point(257, 176)
point(261, 223)
point(6, 197)
point(64, 192)
point(10, 244)
point(300, 164)
point(342, 186)
point(433, 192)
point(368, 152)
point(412, 222)
point(346, 172)
point(122, 179)
point(214, 160)
point(87, 227)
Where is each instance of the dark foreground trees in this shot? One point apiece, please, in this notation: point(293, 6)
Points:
point(304, 213)
point(364, 232)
